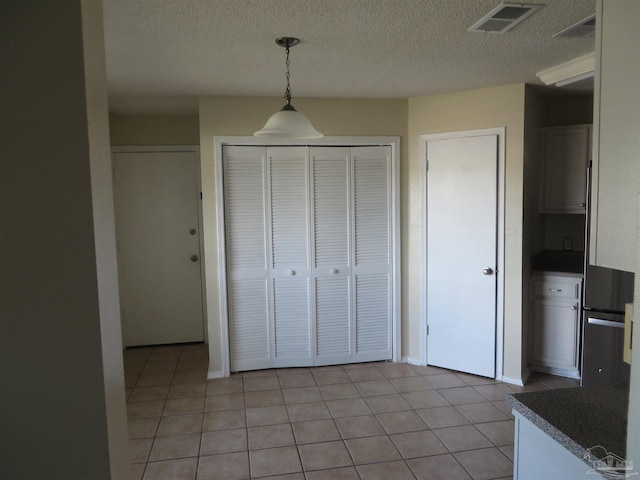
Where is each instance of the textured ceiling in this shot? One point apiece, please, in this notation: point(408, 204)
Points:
point(162, 54)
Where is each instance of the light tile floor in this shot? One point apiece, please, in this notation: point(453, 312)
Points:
point(365, 421)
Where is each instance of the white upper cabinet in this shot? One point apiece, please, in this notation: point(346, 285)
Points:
point(566, 155)
point(616, 164)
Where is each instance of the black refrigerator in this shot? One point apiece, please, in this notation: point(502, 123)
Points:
point(606, 291)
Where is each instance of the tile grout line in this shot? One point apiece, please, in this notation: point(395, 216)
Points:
point(489, 397)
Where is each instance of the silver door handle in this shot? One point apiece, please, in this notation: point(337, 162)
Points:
point(194, 258)
point(487, 271)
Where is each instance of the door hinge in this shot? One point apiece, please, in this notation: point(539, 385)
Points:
point(427, 329)
point(200, 195)
point(426, 162)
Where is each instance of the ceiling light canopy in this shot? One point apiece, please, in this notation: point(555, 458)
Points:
point(288, 123)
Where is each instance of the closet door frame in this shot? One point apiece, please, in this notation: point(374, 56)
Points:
point(214, 231)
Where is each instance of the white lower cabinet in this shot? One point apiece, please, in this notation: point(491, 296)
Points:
point(555, 325)
point(537, 456)
point(308, 255)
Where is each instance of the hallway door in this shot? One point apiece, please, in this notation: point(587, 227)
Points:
point(156, 198)
point(462, 186)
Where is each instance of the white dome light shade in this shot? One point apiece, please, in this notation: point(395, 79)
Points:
point(288, 123)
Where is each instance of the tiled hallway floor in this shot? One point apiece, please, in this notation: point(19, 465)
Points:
point(368, 421)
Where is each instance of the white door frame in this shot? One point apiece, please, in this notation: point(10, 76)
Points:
point(424, 139)
point(221, 274)
point(195, 149)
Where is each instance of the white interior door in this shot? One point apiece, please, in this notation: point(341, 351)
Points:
point(462, 253)
point(158, 235)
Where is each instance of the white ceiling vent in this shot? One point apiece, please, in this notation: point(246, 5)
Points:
point(504, 17)
point(584, 28)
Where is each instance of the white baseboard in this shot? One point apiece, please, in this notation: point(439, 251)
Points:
point(215, 374)
point(513, 380)
point(411, 361)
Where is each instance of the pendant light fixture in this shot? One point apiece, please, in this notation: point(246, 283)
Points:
point(288, 122)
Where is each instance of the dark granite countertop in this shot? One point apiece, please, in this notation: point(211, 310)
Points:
point(579, 418)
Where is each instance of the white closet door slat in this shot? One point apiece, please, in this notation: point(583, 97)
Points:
point(289, 207)
point(333, 326)
point(291, 318)
point(331, 206)
point(249, 325)
point(288, 185)
point(247, 266)
point(371, 204)
point(372, 240)
point(243, 170)
point(373, 320)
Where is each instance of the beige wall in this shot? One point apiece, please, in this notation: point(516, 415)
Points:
point(243, 116)
point(477, 109)
point(63, 403)
point(154, 129)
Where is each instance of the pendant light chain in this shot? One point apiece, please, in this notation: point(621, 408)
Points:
point(288, 123)
point(287, 92)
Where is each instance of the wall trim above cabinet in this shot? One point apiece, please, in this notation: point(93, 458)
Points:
point(358, 280)
point(566, 152)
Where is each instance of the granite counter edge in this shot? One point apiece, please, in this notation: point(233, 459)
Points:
point(561, 438)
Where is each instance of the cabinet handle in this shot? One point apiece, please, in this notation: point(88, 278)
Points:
point(333, 271)
point(291, 272)
point(555, 289)
point(582, 204)
point(574, 307)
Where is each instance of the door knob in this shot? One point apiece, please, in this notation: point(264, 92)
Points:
point(487, 271)
point(194, 258)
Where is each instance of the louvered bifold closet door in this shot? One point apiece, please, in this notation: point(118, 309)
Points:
point(244, 172)
point(331, 247)
point(372, 270)
point(289, 214)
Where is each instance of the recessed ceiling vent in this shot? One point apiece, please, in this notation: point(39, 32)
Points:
point(584, 28)
point(504, 17)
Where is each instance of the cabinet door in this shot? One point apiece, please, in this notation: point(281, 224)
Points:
point(566, 157)
point(332, 257)
point(614, 198)
point(372, 256)
point(244, 172)
point(556, 333)
point(290, 255)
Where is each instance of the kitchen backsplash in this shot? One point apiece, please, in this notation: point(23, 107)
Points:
point(558, 228)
